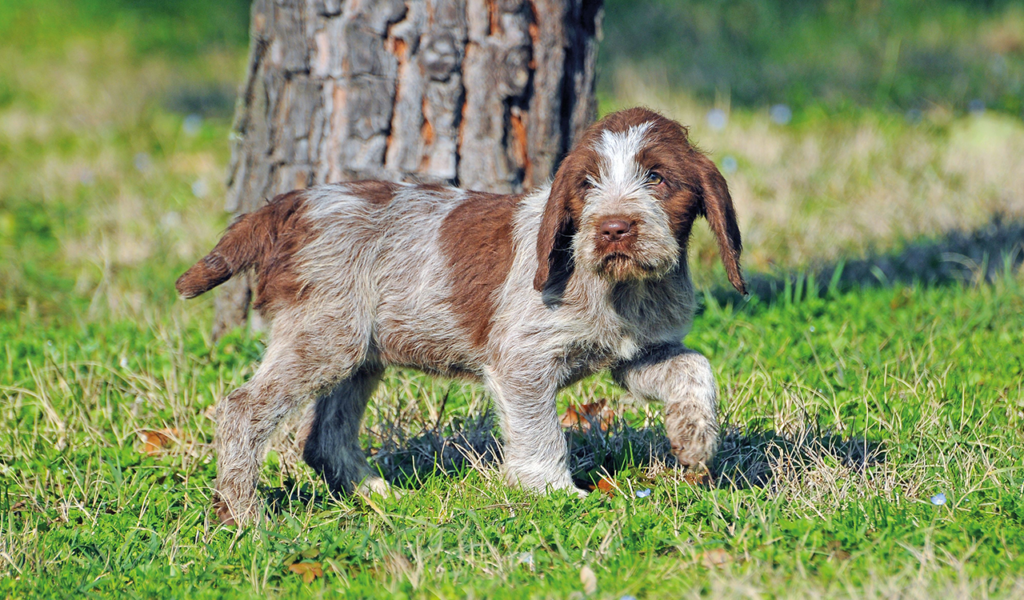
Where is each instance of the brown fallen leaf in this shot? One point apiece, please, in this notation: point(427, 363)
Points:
point(697, 477)
point(308, 570)
point(716, 557)
point(570, 418)
point(606, 486)
point(154, 441)
point(583, 415)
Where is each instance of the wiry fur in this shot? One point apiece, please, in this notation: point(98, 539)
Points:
point(523, 293)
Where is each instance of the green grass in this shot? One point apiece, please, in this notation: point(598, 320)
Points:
point(846, 411)
point(925, 377)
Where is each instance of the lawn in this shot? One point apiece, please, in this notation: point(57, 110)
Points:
point(872, 387)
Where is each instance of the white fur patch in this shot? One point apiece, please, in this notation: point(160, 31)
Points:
point(620, 173)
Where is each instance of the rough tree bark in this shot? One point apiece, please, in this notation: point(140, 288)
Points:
point(485, 94)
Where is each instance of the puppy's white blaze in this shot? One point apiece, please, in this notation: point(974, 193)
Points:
point(620, 172)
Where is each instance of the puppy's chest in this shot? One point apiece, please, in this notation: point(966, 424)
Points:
point(598, 335)
point(628, 318)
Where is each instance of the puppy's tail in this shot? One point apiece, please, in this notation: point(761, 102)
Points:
point(238, 250)
point(246, 243)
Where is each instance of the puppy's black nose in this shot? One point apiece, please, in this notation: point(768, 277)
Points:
point(613, 229)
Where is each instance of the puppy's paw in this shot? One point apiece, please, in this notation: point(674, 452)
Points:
point(542, 478)
point(377, 485)
point(223, 513)
point(694, 444)
point(230, 516)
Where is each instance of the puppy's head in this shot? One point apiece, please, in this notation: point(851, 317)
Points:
point(624, 200)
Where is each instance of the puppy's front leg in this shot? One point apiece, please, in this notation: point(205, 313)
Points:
point(534, 447)
point(682, 381)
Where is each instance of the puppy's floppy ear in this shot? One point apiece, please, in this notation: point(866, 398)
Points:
point(717, 208)
point(555, 224)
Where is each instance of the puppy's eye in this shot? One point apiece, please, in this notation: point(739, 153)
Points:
point(654, 178)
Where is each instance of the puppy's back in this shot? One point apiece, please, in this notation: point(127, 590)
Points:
point(332, 239)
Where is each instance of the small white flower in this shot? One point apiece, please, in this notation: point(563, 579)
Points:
point(643, 493)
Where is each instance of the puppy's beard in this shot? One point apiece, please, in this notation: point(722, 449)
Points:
point(625, 266)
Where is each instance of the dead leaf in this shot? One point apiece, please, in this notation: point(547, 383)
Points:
point(606, 486)
point(716, 557)
point(308, 570)
point(589, 580)
point(697, 477)
point(154, 441)
point(570, 418)
point(582, 416)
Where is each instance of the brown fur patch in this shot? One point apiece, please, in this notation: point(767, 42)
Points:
point(265, 240)
point(374, 192)
point(476, 239)
point(721, 216)
point(669, 154)
point(436, 188)
point(403, 346)
point(283, 230)
point(565, 206)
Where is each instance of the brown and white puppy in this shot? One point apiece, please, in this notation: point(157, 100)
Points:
point(525, 293)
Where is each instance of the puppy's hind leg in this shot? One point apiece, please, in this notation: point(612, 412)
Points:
point(332, 448)
point(297, 368)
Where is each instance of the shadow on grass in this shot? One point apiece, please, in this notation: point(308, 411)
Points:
point(956, 257)
point(747, 457)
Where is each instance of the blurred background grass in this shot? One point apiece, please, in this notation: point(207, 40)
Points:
point(835, 54)
point(844, 128)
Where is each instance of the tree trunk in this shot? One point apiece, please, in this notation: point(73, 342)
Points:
point(484, 94)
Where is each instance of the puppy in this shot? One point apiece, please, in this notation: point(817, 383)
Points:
point(525, 293)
